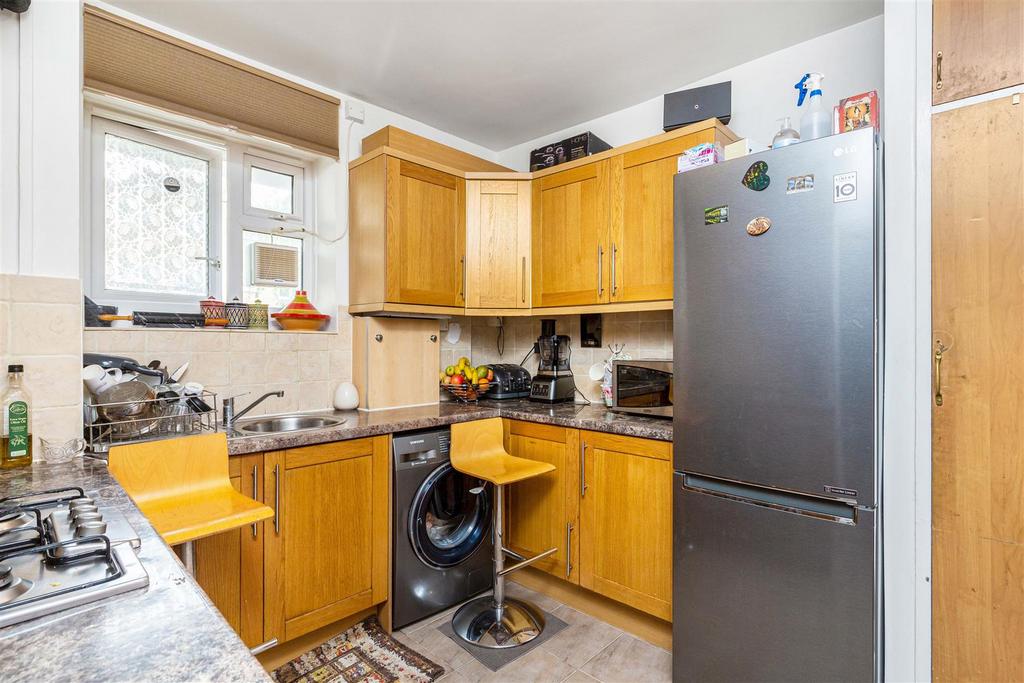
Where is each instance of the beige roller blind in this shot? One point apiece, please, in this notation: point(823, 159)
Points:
point(129, 60)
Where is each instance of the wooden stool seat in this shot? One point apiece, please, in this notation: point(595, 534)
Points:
point(182, 487)
point(478, 449)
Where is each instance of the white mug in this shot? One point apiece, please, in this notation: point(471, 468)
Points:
point(98, 379)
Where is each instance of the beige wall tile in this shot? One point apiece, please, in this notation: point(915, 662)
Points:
point(162, 341)
point(122, 342)
point(247, 341)
point(282, 367)
point(209, 368)
point(314, 366)
point(44, 329)
point(313, 341)
point(50, 290)
point(247, 368)
point(52, 381)
point(5, 326)
point(340, 364)
point(210, 340)
point(55, 423)
point(282, 341)
point(315, 395)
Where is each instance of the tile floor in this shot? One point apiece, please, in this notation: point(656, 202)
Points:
point(586, 651)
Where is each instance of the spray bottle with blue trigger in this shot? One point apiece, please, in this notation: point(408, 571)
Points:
point(815, 122)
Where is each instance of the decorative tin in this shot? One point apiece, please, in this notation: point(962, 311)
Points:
point(212, 309)
point(237, 314)
point(258, 318)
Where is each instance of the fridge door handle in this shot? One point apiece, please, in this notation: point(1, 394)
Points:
point(784, 501)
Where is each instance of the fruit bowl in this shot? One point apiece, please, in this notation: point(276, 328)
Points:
point(467, 393)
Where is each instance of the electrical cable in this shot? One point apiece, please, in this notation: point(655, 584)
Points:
point(500, 341)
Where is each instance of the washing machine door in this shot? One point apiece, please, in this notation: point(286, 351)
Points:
point(447, 521)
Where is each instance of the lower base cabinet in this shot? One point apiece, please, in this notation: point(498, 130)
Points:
point(324, 554)
point(607, 508)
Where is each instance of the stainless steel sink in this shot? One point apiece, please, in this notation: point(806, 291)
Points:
point(287, 423)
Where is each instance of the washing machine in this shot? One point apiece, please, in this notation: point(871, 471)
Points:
point(442, 552)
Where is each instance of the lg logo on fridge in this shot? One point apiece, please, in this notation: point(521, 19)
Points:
point(844, 187)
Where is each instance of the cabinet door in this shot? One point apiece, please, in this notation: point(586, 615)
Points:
point(626, 521)
point(570, 237)
point(327, 546)
point(977, 431)
point(426, 219)
point(542, 512)
point(981, 46)
point(229, 566)
point(497, 243)
point(642, 225)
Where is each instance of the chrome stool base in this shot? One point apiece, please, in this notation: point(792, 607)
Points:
point(483, 623)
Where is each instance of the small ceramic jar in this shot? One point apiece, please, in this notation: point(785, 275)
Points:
point(237, 314)
point(258, 318)
point(212, 309)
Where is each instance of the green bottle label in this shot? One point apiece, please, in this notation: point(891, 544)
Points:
point(17, 429)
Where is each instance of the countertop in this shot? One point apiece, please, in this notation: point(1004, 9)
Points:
point(167, 632)
point(358, 424)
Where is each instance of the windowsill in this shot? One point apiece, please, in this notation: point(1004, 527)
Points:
point(210, 330)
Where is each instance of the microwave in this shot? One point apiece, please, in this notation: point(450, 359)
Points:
point(643, 387)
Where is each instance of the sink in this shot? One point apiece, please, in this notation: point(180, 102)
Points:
point(287, 423)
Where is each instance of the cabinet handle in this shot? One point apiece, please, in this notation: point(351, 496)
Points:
point(615, 285)
point(255, 492)
point(462, 281)
point(938, 70)
point(277, 499)
point(583, 469)
point(938, 374)
point(524, 279)
point(568, 549)
point(600, 270)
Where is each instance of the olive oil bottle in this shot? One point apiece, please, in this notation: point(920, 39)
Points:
point(16, 440)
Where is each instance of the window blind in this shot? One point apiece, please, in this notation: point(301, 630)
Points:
point(133, 61)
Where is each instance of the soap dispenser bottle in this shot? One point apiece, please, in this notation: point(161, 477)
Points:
point(815, 122)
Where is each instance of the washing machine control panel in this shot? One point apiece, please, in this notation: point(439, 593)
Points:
point(416, 449)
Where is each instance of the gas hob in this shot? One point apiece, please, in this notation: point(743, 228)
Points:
point(58, 550)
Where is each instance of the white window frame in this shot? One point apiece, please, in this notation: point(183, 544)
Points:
point(298, 184)
point(98, 290)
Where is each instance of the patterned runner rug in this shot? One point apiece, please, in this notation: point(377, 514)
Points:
point(365, 652)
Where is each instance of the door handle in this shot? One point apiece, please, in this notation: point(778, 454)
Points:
point(615, 285)
point(938, 70)
point(600, 270)
point(583, 469)
point(277, 498)
point(255, 492)
point(938, 373)
point(462, 280)
point(524, 279)
point(568, 549)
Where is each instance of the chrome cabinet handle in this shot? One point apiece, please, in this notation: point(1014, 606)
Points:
point(524, 279)
point(615, 285)
point(255, 492)
point(600, 270)
point(277, 498)
point(938, 70)
point(938, 374)
point(462, 286)
point(568, 549)
point(583, 469)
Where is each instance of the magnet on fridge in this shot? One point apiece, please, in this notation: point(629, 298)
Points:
point(759, 226)
point(756, 178)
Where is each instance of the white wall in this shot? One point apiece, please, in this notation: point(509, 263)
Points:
point(9, 76)
point(762, 91)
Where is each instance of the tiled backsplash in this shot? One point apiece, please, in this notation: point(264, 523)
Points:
point(41, 328)
point(645, 335)
point(307, 366)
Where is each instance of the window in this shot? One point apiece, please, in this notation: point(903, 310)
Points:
point(175, 215)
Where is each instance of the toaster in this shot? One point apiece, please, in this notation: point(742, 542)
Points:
point(510, 381)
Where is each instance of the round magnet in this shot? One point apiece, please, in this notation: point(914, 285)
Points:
point(759, 226)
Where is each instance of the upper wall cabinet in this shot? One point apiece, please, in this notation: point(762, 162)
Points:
point(570, 236)
point(978, 47)
point(498, 245)
point(407, 235)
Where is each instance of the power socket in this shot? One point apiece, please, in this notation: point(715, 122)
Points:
point(355, 112)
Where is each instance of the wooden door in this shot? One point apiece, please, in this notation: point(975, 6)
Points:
point(395, 361)
point(542, 512)
point(978, 47)
point(642, 219)
point(498, 243)
point(626, 521)
point(327, 548)
point(229, 566)
point(570, 237)
point(426, 240)
point(978, 433)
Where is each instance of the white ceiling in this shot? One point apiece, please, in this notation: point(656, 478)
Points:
point(502, 72)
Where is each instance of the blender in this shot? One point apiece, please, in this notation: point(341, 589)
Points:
point(554, 382)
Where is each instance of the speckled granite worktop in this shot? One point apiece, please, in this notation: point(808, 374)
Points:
point(167, 632)
point(359, 424)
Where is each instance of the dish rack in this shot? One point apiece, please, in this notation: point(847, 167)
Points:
point(152, 419)
point(467, 393)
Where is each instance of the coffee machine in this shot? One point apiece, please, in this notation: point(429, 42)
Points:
point(553, 382)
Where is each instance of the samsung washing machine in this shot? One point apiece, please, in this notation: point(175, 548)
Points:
point(442, 529)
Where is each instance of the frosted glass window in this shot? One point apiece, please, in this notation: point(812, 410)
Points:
point(271, 191)
point(275, 297)
point(156, 219)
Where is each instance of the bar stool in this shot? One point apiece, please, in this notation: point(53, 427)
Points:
point(496, 621)
point(183, 489)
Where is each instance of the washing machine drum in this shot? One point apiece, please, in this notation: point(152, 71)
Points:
point(447, 521)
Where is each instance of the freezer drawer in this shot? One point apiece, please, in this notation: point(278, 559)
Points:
point(763, 594)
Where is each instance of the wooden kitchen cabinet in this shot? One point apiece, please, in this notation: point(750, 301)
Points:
point(395, 361)
point(626, 520)
point(977, 47)
point(570, 236)
point(407, 235)
point(497, 244)
point(543, 512)
point(640, 249)
point(326, 549)
point(229, 566)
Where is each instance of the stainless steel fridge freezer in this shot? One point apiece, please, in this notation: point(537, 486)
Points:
point(776, 421)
